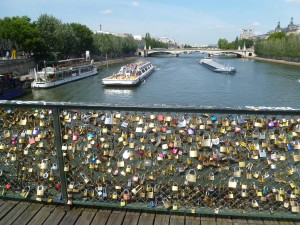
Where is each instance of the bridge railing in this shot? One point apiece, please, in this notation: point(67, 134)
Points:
point(202, 160)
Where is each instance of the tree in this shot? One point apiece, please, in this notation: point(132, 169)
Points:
point(21, 32)
point(85, 39)
point(69, 41)
point(49, 29)
point(277, 35)
point(222, 43)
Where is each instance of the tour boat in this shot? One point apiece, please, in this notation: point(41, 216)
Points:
point(216, 67)
point(130, 74)
point(64, 71)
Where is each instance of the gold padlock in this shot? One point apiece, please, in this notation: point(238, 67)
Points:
point(114, 195)
point(175, 206)
point(122, 203)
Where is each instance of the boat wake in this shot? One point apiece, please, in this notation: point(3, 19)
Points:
point(156, 68)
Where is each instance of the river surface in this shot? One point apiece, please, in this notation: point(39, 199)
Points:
point(183, 81)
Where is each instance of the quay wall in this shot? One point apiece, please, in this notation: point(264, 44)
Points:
point(23, 66)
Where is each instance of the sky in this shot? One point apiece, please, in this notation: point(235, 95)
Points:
point(194, 22)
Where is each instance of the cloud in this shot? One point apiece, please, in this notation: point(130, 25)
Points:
point(293, 1)
point(106, 11)
point(135, 4)
point(255, 24)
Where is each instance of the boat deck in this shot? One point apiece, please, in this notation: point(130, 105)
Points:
point(19, 213)
point(122, 77)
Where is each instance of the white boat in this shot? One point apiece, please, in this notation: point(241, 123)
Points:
point(130, 74)
point(64, 72)
point(216, 67)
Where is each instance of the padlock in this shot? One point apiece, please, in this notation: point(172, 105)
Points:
point(126, 195)
point(66, 168)
point(217, 210)
point(136, 189)
point(237, 172)
point(13, 157)
point(295, 208)
point(114, 195)
point(152, 204)
point(232, 183)
point(44, 164)
point(40, 190)
point(150, 194)
point(254, 204)
point(128, 169)
point(191, 176)
point(230, 195)
point(175, 187)
point(244, 193)
point(175, 206)
point(193, 210)
point(193, 152)
point(167, 203)
point(211, 176)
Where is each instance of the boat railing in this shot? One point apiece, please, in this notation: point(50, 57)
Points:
point(237, 161)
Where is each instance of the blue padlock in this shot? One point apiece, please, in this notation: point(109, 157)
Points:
point(152, 204)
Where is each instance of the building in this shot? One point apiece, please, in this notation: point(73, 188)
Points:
point(290, 29)
point(247, 34)
point(171, 42)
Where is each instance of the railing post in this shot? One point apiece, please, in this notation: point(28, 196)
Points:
point(58, 146)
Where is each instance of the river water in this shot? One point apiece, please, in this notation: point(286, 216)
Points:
point(183, 81)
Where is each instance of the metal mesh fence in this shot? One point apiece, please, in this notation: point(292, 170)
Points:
point(195, 162)
point(29, 167)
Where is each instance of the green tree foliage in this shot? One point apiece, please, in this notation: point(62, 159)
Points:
point(114, 46)
point(153, 43)
point(285, 48)
point(21, 32)
point(50, 30)
point(224, 44)
point(50, 39)
point(277, 35)
point(85, 39)
point(69, 41)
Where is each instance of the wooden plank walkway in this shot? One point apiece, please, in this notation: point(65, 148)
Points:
point(19, 213)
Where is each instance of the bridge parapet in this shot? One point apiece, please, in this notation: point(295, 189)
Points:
point(183, 159)
point(239, 53)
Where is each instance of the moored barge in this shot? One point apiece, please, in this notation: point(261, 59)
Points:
point(216, 67)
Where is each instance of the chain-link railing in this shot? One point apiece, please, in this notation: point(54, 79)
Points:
point(193, 160)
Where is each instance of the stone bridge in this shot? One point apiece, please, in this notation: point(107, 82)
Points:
point(176, 52)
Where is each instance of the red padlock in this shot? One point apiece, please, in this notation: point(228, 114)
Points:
point(58, 186)
point(175, 151)
point(8, 186)
point(126, 195)
point(164, 129)
point(160, 117)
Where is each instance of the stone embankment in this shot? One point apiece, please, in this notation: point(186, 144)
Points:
point(275, 61)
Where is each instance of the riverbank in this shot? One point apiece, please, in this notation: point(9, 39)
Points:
point(275, 61)
point(104, 63)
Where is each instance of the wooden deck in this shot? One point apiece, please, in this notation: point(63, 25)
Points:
point(14, 212)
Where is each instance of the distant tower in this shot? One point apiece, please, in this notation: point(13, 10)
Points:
point(278, 28)
point(292, 22)
point(100, 27)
